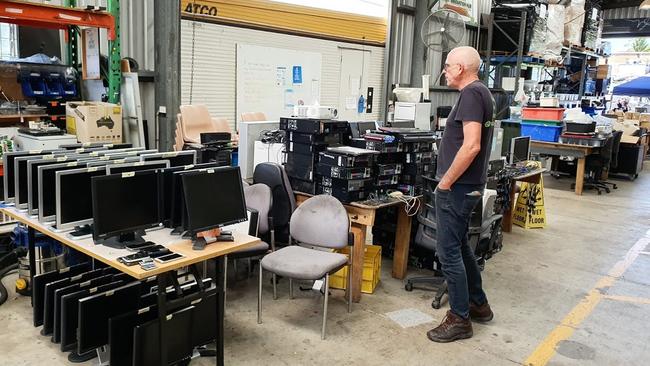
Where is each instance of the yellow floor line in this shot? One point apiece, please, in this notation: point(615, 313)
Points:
point(645, 253)
point(635, 300)
point(546, 350)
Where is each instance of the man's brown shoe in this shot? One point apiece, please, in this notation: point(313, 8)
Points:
point(452, 328)
point(481, 314)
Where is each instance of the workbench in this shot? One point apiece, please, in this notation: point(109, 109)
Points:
point(556, 149)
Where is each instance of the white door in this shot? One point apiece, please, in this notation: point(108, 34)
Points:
point(353, 83)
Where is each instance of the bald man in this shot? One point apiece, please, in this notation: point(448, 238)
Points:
point(462, 173)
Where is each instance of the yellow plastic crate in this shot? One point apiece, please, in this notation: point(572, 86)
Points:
point(371, 270)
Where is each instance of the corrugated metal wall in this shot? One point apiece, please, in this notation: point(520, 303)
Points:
point(215, 64)
point(626, 13)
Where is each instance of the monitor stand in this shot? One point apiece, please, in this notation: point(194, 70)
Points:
point(199, 243)
point(121, 241)
point(82, 231)
point(177, 230)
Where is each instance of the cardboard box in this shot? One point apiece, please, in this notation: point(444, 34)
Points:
point(632, 115)
point(94, 121)
point(644, 117)
point(644, 124)
point(603, 71)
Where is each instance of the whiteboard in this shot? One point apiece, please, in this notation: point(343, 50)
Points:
point(273, 80)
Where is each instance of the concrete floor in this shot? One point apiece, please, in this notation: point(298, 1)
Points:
point(546, 288)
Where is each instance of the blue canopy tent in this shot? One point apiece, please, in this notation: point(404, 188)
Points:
point(639, 87)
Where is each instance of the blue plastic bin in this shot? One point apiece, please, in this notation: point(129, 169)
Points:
point(537, 132)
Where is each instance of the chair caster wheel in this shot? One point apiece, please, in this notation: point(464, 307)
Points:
point(435, 304)
point(408, 287)
point(615, 186)
point(607, 190)
point(599, 193)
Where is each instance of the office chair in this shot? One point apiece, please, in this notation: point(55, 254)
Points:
point(195, 119)
point(259, 198)
point(595, 164)
point(284, 200)
point(484, 237)
point(322, 222)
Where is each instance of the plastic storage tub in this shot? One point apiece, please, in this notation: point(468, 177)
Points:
point(541, 132)
point(542, 122)
point(545, 114)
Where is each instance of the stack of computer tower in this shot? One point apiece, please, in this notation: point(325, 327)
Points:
point(305, 139)
point(346, 173)
point(405, 156)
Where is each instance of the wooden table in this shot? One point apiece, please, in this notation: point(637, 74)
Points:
point(534, 176)
point(362, 217)
point(579, 152)
point(107, 255)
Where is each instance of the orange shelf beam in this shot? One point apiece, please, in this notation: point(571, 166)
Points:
point(57, 17)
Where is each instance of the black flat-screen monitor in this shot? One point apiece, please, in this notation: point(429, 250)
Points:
point(124, 203)
point(146, 342)
point(32, 176)
point(21, 179)
point(74, 196)
point(70, 312)
point(75, 287)
point(136, 166)
point(95, 310)
point(47, 188)
point(8, 169)
point(213, 198)
point(38, 287)
point(176, 158)
point(519, 149)
point(168, 187)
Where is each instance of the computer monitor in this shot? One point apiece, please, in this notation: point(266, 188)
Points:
point(136, 166)
point(8, 159)
point(74, 197)
point(21, 194)
point(176, 158)
point(146, 340)
point(169, 187)
point(133, 151)
point(207, 210)
point(47, 188)
point(113, 159)
point(32, 178)
point(106, 145)
point(124, 204)
point(519, 149)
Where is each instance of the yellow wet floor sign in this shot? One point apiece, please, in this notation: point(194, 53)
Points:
point(529, 209)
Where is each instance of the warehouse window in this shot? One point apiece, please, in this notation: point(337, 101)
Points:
point(8, 41)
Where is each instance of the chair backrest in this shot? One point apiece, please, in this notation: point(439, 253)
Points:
point(284, 201)
point(194, 120)
point(616, 144)
point(259, 198)
point(178, 134)
point(253, 116)
point(321, 221)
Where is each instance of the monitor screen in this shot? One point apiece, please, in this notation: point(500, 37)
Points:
point(74, 199)
point(176, 158)
point(32, 178)
point(207, 210)
point(95, 144)
point(123, 203)
point(519, 149)
point(46, 188)
point(8, 160)
point(21, 187)
point(169, 188)
point(137, 166)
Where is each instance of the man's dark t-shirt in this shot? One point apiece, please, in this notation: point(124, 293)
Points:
point(474, 104)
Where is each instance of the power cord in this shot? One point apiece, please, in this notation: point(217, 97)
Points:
point(411, 203)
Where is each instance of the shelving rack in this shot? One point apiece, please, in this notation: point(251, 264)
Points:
point(69, 18)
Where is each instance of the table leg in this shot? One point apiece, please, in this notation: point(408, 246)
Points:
point(31, 250)
point(359, 232)
point(162, 315)
point(402, 242)
point(220, 275)
point(580, 176)
point(506, 224)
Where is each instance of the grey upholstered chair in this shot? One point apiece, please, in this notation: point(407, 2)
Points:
point(321, 221)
